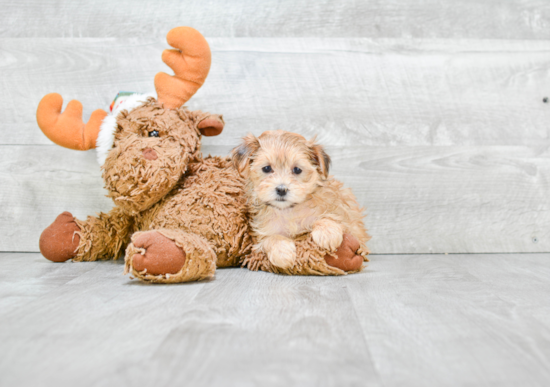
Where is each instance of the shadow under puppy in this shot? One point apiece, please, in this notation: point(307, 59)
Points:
point(290, 194)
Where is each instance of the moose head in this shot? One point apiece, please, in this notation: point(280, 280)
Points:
point(145, 144)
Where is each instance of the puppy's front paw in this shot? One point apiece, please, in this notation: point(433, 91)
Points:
point(283, 253)
point(327, 234)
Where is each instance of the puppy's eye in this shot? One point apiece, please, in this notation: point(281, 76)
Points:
point(267, 169)
point(154, 133)
point(296, 171)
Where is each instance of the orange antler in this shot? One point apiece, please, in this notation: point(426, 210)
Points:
point(190, 62)
point(67, 129)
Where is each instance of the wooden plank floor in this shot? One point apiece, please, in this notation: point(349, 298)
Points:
point(415, 320)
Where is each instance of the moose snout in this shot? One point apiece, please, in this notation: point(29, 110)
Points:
point(281, 190)
point(149, 154)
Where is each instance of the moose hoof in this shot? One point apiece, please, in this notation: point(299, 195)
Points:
point(346, 258)
point(59, 242)
point(162, 255)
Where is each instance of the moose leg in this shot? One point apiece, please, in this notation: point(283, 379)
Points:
point(97, 238)
point(311, 259)
point(169, 256)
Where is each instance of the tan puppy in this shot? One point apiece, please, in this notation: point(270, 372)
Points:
point(290, 193)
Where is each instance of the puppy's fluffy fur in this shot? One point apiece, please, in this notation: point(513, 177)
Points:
point(290, 193)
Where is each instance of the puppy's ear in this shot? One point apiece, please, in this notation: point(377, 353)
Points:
point(241, 155)
point(321, 159)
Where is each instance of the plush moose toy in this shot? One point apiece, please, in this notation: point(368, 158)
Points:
point(177, 215)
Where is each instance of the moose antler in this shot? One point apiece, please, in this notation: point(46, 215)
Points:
point(190, 62)
point(67, 129)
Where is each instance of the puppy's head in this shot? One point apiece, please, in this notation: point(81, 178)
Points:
point(282, 168)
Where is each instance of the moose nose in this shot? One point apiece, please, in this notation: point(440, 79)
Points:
point(149, 154)
point(281, 190)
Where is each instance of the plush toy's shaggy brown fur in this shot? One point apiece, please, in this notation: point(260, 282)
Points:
point(314, 260)
point(195, 202)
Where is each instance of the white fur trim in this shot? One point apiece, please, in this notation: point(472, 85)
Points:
point(106, 137)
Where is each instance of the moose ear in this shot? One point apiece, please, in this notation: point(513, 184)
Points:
point(211, 125)
point(321, 159)
point(242, 154)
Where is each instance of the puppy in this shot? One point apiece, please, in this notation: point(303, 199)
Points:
point(290, 193)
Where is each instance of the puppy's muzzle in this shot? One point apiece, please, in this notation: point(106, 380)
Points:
point(281, 191)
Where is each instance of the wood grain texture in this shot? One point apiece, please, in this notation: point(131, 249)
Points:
point(457, 320)
point(419, 199)
point(512, 19)
point(406, 320)
point(347, 91)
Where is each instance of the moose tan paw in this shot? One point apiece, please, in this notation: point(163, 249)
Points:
point(327, 234)
point(59, 241)
point(346, 258)
point(161, 256)
point(282, 253)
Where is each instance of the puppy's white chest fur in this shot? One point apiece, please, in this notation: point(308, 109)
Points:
point(291, 222)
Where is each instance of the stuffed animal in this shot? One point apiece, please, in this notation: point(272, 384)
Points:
point(177, 215)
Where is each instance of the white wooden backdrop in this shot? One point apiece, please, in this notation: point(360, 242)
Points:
point(432, 110)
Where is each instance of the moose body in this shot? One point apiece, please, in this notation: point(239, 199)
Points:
point(178, 215)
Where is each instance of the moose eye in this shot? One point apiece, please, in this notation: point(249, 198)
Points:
point(267, 169)
point(154, 133)
point(296, 171)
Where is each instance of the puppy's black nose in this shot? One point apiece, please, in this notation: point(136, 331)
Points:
point(281, 190)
